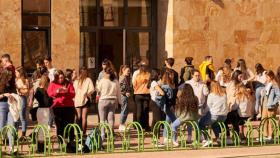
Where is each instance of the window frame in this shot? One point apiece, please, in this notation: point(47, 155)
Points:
point(36, 28)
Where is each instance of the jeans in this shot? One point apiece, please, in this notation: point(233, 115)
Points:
point(22, 116)
point(212, 120)
point(142, 105)
point(258, 98)
point(124, 109)
point(6, 118)
point(170, 117)
point(174, 128)
point(51, 118)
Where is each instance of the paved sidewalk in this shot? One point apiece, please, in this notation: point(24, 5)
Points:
point(243, 152)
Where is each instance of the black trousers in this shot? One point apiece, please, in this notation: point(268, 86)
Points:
point(234, 119)
point(142, 107)
point(64, 116)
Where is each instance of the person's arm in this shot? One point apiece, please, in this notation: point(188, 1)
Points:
point(161, 92)
point(277, 96)
point(119, 93)
point(251, 75)
point(205, 90)
point(122, 86)
point(210, 101)
point(52, 92)
point(69, 91)
point(90, 88)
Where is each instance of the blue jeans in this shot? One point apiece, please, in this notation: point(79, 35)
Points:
point(170, 118)
point(22, 115)
point(6, 118)
point(174, 128)
point(124, 109)
point(258, 98)
point(209, 119)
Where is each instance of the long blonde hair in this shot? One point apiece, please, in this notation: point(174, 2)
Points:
point(217, 89)
point(242, 93)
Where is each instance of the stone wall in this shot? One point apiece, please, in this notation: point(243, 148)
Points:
point(248, 29)
point(10, 29)
point(65, 33)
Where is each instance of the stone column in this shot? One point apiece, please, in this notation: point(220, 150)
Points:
point(65, 38)
point(10, 29)
point(165, 30)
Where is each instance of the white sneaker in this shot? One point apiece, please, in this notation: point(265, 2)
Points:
point(209, 142)
point(122, 128)
point(165, 141)
point(204, 141)
point(259, 116)
point(175, 144)
point(268, 139)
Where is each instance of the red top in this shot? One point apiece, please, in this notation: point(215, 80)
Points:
point(62, 99)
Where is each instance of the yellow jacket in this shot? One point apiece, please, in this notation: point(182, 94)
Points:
point(202, 69)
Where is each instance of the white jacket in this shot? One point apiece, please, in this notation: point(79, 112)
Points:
point(15, 105)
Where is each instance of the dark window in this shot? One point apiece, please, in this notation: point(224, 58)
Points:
point(123, 31)
point(36, 25)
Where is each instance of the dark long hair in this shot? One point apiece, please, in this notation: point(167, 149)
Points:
point(259, 69)
point(187, 101)
point(111, 72)
point(168, 78)
point(271, 74)
point(235, 75)
point(56, 78)
point(155, 76)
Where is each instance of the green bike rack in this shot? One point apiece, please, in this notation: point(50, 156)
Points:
point(6, 130)
point(47, 139)
point(110, 136)
point(77, 133)
point(275, 128)
point(1, 145)
point(235, 137)
point(140, 136)
point(62, 146)
point(95, 143)
point(223, 134)
point(250, 132)
point(156, 133)
point(183, 137)
point(209, 137)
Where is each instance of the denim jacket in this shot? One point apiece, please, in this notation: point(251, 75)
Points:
point(164, 101)
point(273, 97)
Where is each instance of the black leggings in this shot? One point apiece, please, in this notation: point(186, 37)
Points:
point(142, 105)
point(64, 116)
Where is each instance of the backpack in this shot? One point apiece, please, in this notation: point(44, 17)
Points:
point(92, 139)
point(188, 73)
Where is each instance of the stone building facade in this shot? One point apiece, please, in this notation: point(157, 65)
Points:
point(248, 29)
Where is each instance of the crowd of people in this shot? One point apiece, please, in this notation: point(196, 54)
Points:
point(229, 95)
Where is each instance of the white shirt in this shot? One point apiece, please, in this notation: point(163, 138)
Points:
point(153, 91)
point(134, 75)
point(81, 91)
point(200, 90)
point(51, 74)
point(109, 89)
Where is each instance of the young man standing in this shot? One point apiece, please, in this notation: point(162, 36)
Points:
point(51, 72)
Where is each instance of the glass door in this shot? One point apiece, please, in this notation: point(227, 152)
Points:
point(88, 53)
point(110, 46)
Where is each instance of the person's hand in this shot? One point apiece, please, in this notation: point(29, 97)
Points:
point(161, 93)
point(127, 94)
